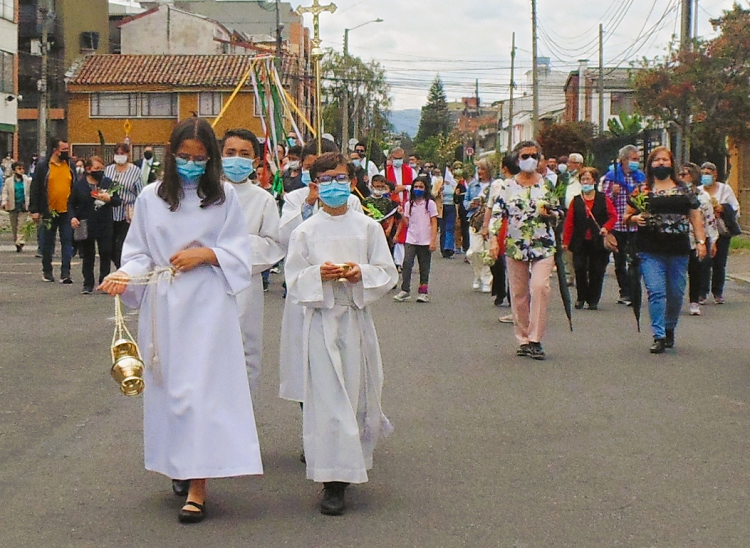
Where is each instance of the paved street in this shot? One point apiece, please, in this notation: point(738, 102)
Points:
point(600, 445)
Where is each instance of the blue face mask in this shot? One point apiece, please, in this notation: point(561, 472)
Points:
point(707, 180)
point(419, 193)
point(335, 194)
point(306, 180)
point(634, 166)
point(398, 163)
point(189, 170)
point(587, 188)
point(237, 168)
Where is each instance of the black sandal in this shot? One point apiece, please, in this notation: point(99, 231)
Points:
point(186, 516)
point(181, 487)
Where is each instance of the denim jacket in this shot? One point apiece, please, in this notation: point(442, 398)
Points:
point(474, 190)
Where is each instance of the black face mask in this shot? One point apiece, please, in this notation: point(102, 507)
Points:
point(148, 155)
point(661, 172)
point(97, 175)
point(64, 156)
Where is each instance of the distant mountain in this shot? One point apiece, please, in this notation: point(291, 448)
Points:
point(406, 121)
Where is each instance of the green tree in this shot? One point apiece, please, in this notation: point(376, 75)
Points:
point(710, 84)
point(435, 119)
point(368, 96)
point(562, 139)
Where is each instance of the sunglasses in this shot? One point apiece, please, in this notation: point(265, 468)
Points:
point(328, 179)
point(527, 156)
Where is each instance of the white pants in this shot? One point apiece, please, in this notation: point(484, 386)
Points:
point(398, 254)
point(477, 244)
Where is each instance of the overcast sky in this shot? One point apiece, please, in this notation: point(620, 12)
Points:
point(468, 39)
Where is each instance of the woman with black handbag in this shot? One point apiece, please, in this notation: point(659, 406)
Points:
point(726, 211)
point(590, 219)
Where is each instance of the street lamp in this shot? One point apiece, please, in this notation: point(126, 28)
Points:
point(345, 106)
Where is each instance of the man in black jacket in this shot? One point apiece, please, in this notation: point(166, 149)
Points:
point(48, 202)
point(146, 165)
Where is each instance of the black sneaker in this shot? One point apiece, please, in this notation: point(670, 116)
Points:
point(658, 346)
point(536, 352)
point(66, 281)
point(669, 339)
point(48, 278)
point(523, 351)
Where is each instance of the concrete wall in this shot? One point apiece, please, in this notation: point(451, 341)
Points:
point(79, 16)
point(9, 44)
point(167, 32)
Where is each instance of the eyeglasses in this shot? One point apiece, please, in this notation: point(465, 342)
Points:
point(527, 156)
point(328, 179)
point(183, 158)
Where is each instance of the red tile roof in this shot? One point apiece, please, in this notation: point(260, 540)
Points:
point(162, 70)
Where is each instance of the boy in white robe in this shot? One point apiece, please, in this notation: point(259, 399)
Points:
point(239, 156)
point(299, 205)
point(342, 415)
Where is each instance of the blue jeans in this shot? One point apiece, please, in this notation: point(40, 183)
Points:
point(447, 228)
point(57, 223)
point(665, 277)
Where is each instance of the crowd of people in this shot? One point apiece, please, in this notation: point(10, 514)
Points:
point(199, 238)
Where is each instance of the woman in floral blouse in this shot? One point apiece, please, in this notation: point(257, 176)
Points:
point(530, 210)
point(663, 209)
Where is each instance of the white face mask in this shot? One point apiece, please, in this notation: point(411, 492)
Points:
point(80, 170)
point(293, 165)
point(562, 168)
point(528, 165)
point(121, 159)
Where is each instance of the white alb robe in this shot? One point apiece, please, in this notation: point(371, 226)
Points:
point(342, 416)
point(197, 408)
point(262, 218)
point(291, 370)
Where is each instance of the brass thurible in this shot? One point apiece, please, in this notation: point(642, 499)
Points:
point(127, 364)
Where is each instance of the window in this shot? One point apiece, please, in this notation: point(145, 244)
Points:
point(159, 105)
point(7, 62)
point(7, 9)
point(113, 105)
point(209, 103)
point(133, 105)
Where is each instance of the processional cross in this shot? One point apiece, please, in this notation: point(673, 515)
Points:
point(316, 9)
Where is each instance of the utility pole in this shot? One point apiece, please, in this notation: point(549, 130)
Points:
point(601, 79)
point(535, 70)
point(512, 87)
point(683, 143)
point(46, 13)
point(278, 38)
point(695, 20)
point(345, 105)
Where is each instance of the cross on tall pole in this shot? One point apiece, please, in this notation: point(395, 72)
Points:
point(316, 9)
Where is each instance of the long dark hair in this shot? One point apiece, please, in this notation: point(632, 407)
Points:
point(210, 188)
point(427, 192)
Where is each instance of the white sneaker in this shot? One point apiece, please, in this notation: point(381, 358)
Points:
point(695, 309)
point(423, 298)
point(476, 285)
point(401, 296)
point(506, 319)
point(486, 288)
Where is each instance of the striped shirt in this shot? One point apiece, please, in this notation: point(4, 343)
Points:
point(129, 187)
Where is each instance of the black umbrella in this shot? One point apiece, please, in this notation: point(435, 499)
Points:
point(562, 280)
point(634, 277)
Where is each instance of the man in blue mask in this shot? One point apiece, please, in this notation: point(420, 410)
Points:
point(338, 264)
point(240, 153)
point(622, 178)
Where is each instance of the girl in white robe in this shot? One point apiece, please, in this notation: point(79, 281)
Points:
point(198, 415)
point(342, 415)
